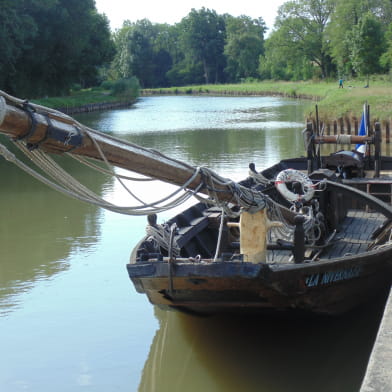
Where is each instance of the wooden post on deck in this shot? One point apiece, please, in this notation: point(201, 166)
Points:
point(299, 239)
point(253, 235)
point(309, 145)
point(377, 149)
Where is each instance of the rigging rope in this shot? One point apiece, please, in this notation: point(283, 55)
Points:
point(312, 225)
point(60, 180)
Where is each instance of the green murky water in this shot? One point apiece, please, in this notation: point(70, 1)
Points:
point(70, 319)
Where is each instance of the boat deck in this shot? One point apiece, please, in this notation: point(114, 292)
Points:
point(353, 237)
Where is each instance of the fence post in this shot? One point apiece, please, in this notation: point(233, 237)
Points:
point(377, 149)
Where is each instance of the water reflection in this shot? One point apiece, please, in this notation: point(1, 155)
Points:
point(228, 150)
point(223, 133)
point(249, 354)
point(89, 321)
point(173, 113)
point(40, 229)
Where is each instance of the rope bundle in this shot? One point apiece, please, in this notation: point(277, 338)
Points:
point(57, 178)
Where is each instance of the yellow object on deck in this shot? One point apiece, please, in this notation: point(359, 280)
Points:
point(253, 235)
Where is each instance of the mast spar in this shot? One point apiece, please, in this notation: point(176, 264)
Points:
point(54, 132)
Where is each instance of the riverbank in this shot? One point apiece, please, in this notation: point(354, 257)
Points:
point(333, 102)
point(87, 100)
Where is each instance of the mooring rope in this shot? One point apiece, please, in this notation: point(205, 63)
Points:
point(312, 225)
point(63, 182)
point(161, 234)
point(343, 139)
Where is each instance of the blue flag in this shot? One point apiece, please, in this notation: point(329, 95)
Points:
point(362, 131)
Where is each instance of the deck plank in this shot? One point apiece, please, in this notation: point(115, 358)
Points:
point(353, 237)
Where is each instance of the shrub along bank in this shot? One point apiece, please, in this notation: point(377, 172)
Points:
point(110, 94)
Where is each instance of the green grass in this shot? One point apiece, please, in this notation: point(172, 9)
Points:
point(80, 98)
point(332, 102)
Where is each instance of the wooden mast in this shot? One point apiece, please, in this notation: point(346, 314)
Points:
point(55, 132)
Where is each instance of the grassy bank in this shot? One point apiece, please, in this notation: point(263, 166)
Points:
point(78, 98)
point(333, 102)
point(84, 97)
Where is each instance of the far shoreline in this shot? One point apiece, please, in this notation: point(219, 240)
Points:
point(333, 102)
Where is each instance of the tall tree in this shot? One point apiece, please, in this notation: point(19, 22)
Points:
point(203, 39)
point(303, 22)
point(366, 45)
point(386, 58)
point(17, 27)
point(143, 51)
point(282, 61)
point(69, 41)
point(344, 30)
point(244, 45)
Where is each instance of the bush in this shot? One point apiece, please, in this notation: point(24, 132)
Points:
point(76, 87)
point(126, 88)
point(107, 85)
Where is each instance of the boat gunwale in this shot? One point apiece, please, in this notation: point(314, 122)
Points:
point(380, 254)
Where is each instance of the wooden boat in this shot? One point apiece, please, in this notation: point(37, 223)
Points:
point(294, 238)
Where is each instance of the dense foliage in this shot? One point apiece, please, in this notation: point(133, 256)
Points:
point(53, 45)
point(203, 48)
point(49, 45)
point(311, 39)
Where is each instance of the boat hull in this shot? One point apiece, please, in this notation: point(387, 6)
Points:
point(329, 287)
point(350, 266)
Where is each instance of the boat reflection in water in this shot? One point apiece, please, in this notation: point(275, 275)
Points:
point(238, 353)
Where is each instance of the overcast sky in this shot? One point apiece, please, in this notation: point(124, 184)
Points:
point(172, 11)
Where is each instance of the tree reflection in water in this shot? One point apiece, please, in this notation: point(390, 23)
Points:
point(242, 353)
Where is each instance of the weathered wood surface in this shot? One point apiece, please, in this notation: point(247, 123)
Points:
point(17, 123)
point(326, 286)
point(253, 235)
point(334, 139)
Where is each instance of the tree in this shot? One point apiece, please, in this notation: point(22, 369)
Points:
point(98, 51)
point(203, 39)
point(273, 64)
point(344, 30)
point(63, 42)
point(303, 23)
point(16, 28)
point(366, 45)
point(386, 58)
point(244, 45)
point(282, 61)
point(142, 50)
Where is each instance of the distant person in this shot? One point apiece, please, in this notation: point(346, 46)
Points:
point(340, 83)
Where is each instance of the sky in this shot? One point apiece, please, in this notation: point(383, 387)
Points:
point(172, 11)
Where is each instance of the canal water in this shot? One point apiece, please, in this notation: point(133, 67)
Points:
point(70, 319)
